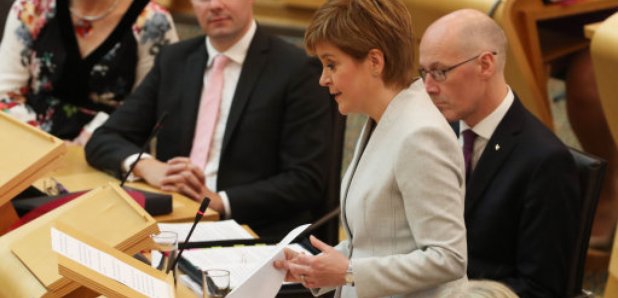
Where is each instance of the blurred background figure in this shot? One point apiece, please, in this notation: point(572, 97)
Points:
point(5, 6)
point(66, 65)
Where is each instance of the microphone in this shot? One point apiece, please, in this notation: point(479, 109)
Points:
point(153, 133)
point(198, 217)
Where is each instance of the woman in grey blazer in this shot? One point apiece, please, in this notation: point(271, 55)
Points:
point(402, 198)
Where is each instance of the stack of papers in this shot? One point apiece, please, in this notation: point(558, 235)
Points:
point(252, 273)
point(108, 265)
point(241, 261)
point(208, 231)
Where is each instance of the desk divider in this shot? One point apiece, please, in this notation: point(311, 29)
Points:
point(106, 213)
point(25, 155)
point(98, 282)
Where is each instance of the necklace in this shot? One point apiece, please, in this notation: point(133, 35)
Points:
point(83, 25)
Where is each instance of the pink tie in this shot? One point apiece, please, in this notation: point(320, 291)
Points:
point(209, 112)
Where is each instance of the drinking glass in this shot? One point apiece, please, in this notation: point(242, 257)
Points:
point(164, 251)
point(215, 283)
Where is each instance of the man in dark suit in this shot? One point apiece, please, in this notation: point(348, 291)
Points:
point(522, 195)
point(266, 162)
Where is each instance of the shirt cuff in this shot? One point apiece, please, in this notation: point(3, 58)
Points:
point(226, 205)
point(127, 162)
point(97, 121)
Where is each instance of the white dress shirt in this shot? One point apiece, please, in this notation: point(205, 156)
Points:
point(486, 127)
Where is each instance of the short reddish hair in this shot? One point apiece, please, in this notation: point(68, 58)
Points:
point(358, 26)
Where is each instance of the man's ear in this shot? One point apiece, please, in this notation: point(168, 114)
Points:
point(488, 64)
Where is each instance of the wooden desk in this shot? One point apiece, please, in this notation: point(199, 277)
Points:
point(75, 174)
point(17, 281)
point(550, 32)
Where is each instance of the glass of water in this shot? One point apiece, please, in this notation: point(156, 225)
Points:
point(164, 251)
point(215, 283)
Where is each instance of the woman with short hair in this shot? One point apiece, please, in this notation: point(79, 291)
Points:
point(402, 197)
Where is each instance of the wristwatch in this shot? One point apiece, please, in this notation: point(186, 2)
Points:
point(349, 276)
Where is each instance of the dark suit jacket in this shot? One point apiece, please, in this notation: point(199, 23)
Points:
point(5, 6)
point(522, 203)
point(277, 138)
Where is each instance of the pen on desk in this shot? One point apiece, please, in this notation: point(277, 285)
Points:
point(59, 187)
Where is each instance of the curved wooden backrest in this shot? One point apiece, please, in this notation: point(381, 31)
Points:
point(518, 71)
point(604, 51)
point(611, 287)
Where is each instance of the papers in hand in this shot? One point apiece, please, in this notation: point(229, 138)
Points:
point(251, 267)
point(208, 231)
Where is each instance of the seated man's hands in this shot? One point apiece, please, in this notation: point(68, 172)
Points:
point(327, 269)
point(178, 175)
point(151, 170)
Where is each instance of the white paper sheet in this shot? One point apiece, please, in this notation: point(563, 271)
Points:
point(265, 281)
point(251, 267)
point(108, 265)
point(208, 231)
point(241, 261)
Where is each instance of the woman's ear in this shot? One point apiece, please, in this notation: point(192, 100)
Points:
point(375, 58)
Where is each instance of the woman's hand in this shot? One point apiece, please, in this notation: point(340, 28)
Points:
point(327, 269)
point(284, 264)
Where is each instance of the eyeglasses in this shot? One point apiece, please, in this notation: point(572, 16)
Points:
point(439, 75)
point(203, 2)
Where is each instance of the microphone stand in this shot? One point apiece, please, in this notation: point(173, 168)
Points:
point(198, 217)
point(153, 133)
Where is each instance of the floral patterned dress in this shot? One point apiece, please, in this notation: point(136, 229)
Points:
point(46, 82)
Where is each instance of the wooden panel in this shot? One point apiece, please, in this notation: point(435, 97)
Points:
point(310, 4)
point(98, 282)
point(8, 216)
point(604, 53)
point(26, 153)
point(611, 287)
point(551, 31)
point(590, 29)
point(107, 213)
point(276, 13)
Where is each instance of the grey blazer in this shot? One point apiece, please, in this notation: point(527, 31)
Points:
point(402, 201)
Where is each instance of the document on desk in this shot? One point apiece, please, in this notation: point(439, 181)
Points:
point(208, 231)
point(251, 267)
point(108, 265)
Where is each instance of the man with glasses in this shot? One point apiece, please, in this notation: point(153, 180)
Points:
point(247, 123)
point(522, 196)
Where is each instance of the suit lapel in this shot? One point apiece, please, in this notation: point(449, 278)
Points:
point(192, 93)
point(250, 73)
point(347, 180)
point(499, 147)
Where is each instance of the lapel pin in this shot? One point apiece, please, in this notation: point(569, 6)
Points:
point(497, 147)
